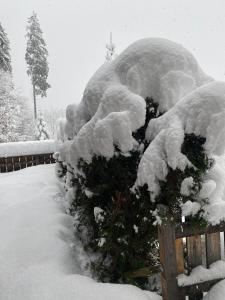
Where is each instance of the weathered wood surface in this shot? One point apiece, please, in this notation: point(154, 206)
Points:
point(213, 251)
point(194, 259)
point(193, 247)
point(184, 230)
point(9, 164)
point(194, 252)
point(168, 260)
point(180, 255)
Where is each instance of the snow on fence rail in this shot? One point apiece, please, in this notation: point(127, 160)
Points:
point(20, 155)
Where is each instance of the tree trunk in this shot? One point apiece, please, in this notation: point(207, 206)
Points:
point(35, 105)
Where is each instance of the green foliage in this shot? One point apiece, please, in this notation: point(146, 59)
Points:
point(5, 59)
point(114, 220)
point(36, 56)
point(122, 232)
point(193, 149)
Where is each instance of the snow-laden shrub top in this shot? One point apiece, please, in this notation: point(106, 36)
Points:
point(113, 103)
point(203, 113)
point(113, 108)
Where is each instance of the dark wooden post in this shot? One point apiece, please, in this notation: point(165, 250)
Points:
point(166, 234)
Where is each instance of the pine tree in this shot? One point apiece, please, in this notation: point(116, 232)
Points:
point(9, 109)
point(116, 220)
point(110, 49)
point(36, 58)
point(5, 59)
point(112, 219)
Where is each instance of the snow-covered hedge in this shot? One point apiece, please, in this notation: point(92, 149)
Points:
point(148, 132)
point(27, 148)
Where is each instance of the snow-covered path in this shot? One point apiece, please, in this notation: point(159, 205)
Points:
point(36, 260)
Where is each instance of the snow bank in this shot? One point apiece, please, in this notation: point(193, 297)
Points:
point(203, 113)
point(27, 148)
point(37, 245)
point(201, 274)
point(113, 103)
point(217, 292)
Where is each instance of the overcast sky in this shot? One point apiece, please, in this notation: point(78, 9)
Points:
point(76, 32)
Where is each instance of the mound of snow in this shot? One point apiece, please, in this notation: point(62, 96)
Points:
point(217, 292)
point(37, 245)
point(113, 103)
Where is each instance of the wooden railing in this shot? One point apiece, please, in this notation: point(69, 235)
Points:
point(183, 248)
point(9, 164)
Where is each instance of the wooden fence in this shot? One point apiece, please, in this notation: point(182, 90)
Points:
point(183, 248)
point(9, 164)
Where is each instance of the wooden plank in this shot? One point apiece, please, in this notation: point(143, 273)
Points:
point(194, 259)
point(23, 162)
point(9, 164)
point(213, 251)
point(29, 160)
point(16, 163)
point(3, 168)
point(179, 255)
point(166, 234)
point(41, 159)
point(47, 158)
point(52, 158)
point(185, 230)
point(194, 251)
point(34, 162)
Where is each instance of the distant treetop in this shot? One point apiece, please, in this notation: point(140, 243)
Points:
point(36, 57)
point(5, 58)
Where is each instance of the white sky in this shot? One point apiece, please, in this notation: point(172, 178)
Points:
point(76, 32)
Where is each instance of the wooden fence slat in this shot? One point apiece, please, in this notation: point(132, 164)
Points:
point(2, 165)
point(9, 164)
point(52, 158)
point(29, 160)
point(179, 255)
point(194, 251)
point(41, 159)
point(16, 163)
point(194, 259)
point(213, 251)
point(23, 162)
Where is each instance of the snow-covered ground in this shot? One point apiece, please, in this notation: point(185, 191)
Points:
point(36, 257)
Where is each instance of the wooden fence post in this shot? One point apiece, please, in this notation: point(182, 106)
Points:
point(166, 234)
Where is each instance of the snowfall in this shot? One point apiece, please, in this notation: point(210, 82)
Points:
point(39, 256)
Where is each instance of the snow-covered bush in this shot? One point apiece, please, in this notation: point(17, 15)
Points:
point(143, 137)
